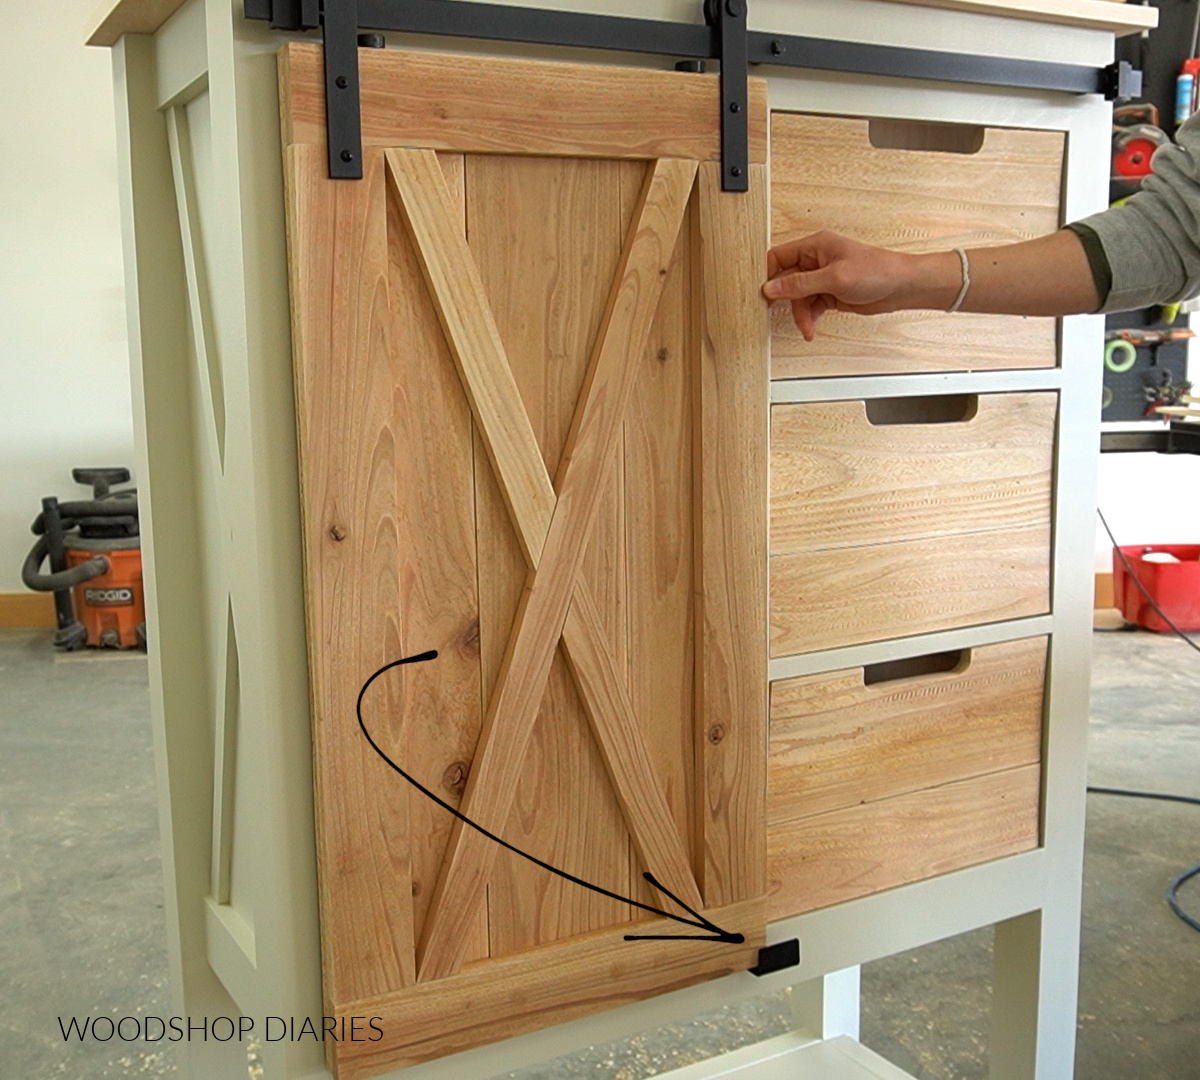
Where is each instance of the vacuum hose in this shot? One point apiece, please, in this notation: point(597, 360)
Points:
point(64, 579)
point(122, 506)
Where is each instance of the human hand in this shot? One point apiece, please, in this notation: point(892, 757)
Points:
point(827, 272)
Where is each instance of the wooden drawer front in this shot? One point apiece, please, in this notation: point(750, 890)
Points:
point(837, 742)
point(839, 856)
point(875, 784)
point(826, 174)
point(883, 530)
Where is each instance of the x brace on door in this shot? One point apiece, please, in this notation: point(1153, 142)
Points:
point(552, 522)
point(724, 37)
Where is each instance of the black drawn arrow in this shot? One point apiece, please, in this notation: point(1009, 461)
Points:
point(715, 933)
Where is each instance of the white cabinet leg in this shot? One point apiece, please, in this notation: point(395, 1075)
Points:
point(1034, 995)
point(829, 1006)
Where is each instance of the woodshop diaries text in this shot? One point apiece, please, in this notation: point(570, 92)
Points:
point(220, 1028)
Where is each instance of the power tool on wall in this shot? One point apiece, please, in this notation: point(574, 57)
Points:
point(95, 552)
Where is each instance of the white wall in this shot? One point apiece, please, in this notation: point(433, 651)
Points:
point(64, 367)
point(1148, 499)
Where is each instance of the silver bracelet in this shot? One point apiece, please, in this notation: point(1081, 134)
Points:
point(966, 272)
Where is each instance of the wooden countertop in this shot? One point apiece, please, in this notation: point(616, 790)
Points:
point(118, 17)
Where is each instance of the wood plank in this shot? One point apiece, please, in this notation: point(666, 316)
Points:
point(547, 236)
point(836, 742)
point(825, 174)
point(454, 102)
point(349, 477)
point(539, 621)
point(462, 305)
point(660, 538)
point(731, 530)
point(27, 611)
point(834, 857)
point(638, 787)
point(549, 985)
point(825, 599)
point(837, 480)
point(435, 511)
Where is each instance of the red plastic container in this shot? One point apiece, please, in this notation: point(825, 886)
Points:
point(1175, 586)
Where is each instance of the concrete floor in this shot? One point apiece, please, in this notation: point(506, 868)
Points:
point(82, 930)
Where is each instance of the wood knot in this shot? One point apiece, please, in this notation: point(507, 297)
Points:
point(470, 638)
point(416, 888)
point(716, 733)
point(454, 779)
point(663, 354)
point(337, 532)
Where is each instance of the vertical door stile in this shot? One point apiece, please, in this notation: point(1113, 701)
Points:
point(345, 382)
point(732, 520)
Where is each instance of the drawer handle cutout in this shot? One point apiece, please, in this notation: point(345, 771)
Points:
point(936, 409)
point(914, 667)
point(925, 135)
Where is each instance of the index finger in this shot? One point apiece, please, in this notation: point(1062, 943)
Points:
point(786, 256)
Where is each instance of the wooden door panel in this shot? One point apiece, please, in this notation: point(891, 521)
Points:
point(538, 625)
point(547, 235)
point(532, 417)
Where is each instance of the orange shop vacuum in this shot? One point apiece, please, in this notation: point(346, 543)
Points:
point(95, 553)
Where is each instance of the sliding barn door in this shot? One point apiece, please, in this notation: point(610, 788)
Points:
point(531, 376)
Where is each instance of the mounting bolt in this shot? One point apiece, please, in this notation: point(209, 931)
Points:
point(735, 107)
point(347, 156)
point(735, 170)
point(341, 82)
point(734, 7)
point(778, 48)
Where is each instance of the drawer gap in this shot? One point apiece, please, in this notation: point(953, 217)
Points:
point(887, 134)
point(932, 409)
point(914, 667)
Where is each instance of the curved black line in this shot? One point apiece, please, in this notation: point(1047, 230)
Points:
point(717, 933)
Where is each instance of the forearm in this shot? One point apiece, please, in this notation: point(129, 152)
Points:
point(1046, 276)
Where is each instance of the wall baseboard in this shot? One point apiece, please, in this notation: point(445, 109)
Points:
point(27, 611)
point(1104, 591)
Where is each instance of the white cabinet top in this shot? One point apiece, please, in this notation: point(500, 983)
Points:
point(117, 17)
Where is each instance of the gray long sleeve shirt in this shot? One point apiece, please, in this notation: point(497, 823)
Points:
point(1152, 242)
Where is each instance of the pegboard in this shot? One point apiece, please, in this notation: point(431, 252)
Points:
point(1125, 396)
